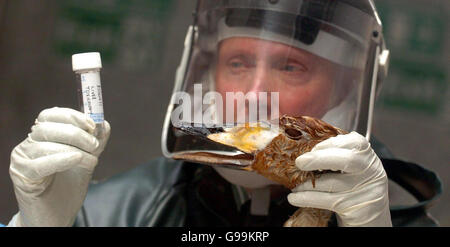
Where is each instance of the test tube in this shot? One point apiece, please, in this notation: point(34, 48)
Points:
point(87, 70)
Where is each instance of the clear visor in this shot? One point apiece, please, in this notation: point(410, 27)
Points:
point(253, 65)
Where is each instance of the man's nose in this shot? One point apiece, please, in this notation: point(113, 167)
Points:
point(260, 88)
point(260, 80)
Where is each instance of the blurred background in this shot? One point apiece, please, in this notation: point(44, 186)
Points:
point(141, 43)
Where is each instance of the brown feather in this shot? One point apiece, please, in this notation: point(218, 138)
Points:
point(276, 160)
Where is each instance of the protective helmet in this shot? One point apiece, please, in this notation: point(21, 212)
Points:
point(342, 39)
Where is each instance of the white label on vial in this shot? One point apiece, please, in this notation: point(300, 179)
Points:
point(92, 96)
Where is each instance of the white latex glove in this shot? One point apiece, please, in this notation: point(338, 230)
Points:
point(358, 193)
point(51, 169)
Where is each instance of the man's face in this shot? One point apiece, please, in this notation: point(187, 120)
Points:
point(304, 81)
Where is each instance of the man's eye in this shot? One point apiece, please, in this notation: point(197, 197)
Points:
point(292, 68)
point(235, 64)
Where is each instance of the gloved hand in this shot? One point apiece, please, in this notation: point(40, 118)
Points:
point(358, 193)
point(51, 169)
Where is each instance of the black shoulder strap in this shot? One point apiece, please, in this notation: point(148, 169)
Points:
point(423, 184)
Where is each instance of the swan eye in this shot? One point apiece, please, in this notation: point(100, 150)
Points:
point(293, 133)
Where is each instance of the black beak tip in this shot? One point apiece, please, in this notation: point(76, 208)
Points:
point(198, 130)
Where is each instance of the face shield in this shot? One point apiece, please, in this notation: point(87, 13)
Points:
point(252, 61)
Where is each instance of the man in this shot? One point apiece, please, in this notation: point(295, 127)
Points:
point(324, 58)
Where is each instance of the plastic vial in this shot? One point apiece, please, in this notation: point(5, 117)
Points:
point(87, 69)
